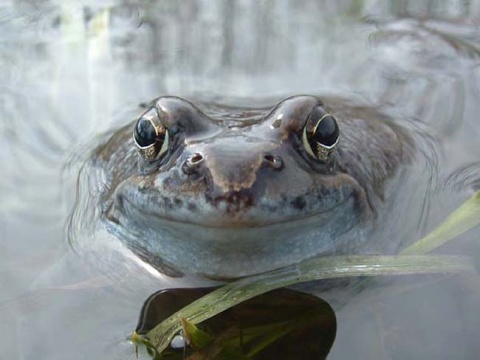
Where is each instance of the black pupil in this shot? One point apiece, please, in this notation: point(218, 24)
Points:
point(145, 134)
point(327, 131)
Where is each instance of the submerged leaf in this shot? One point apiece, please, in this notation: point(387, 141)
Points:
point(279, 324)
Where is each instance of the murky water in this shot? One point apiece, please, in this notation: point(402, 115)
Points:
point(72, 70)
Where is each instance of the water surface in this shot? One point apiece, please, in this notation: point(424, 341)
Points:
point(71, 70)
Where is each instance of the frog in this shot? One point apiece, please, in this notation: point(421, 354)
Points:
point(227, 192)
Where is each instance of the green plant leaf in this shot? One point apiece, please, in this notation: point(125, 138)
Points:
point(466, 217)
point(312, 269)
point(196, 338)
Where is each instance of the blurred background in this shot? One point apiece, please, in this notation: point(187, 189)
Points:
point(71, 70)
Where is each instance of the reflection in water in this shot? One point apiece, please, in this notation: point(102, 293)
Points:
point(70, 71)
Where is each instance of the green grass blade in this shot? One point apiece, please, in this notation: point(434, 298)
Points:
point(312, 269)
point(466, 217)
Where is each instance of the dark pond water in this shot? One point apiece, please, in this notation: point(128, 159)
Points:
point(71, 70)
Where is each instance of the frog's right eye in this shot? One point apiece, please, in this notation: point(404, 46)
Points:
point(150, 136)
point(320, 135)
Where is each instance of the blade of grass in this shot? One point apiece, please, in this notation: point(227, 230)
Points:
point(466, 217)
point(312, 269)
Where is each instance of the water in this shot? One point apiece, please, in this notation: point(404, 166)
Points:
point(72, 70)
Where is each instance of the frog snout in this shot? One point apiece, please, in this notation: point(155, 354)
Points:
point(230, 169)
point(230, 180)
point(196, 161)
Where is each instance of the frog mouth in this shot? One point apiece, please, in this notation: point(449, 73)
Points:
point(223, 219)
point(235, 249)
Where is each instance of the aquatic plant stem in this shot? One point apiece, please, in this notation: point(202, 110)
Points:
point(466, 217)
point(312, 269)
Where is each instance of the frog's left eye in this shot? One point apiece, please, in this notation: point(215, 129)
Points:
point(321, 134)
point(150, 136)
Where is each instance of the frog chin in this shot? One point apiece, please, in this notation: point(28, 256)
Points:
point(236, 251)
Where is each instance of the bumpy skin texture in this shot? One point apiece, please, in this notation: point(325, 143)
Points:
point(257, 199)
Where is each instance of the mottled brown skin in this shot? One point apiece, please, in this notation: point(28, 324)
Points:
point(233, 177)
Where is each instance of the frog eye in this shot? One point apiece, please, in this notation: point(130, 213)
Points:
point(150, 136)
point(320, 135)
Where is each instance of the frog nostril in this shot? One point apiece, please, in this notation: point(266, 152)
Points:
point(196, 158)
point(274, 161)
point(191, 164)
